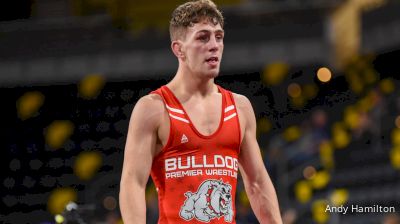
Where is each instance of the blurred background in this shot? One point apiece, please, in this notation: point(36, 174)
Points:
point(322, 76)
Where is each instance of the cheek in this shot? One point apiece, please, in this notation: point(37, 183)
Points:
point(195, 52)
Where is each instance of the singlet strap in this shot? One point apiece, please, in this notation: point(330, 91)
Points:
point(175, 110)
point(230, 107)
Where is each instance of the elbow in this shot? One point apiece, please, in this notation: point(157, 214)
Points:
point(256, 184)
point(253, 188)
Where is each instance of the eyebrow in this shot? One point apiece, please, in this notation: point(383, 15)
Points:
point(208, 31)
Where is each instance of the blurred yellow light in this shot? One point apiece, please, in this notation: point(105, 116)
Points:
point(339, 197)
point(366, 103)
point(275, 73)
point(292, 133)
point(321, 179)
point(326, 154)
point(303, 191)
point(59, 198)
point(87, 164)
point(370, 76)
point(91, 86)
point(263, 125)
point(387, 86)
point(324, 74)
point(395, 157)
point(294, 90)
point(59, 218)
point(357, 86)
point(340, 137)
point(310, 91)
point(298, 102)
point(351, 117)
point(318, 211)
point(244, 200)
point(309, 172)
point(397, 122)
point(29, 104)
point(396, 136)
point(58, 132)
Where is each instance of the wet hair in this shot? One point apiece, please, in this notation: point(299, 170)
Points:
point(193, 12)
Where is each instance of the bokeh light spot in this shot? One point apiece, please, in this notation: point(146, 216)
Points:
point(87, 164)
point(91, 86)
point(29, 104)
point(339, 197)
point(309, 172)
point(324, 74)
point(109, 203)
point(59, 218)
point(58, 132)
point(275, 73)
point(303, 191)
point(294, 90)
point(59, 198)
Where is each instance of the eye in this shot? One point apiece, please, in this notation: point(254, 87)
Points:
point(203, 38)
point(219, 37)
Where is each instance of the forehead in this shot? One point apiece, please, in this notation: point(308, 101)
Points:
point(204, 25)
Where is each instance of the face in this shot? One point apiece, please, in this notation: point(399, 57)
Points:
point(202, 49)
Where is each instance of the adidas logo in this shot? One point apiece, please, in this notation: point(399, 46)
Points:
point(184, 139)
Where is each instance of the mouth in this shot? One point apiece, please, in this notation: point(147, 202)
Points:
point(222, 203)
point(213, 61)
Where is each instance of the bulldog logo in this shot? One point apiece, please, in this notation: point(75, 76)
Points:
point(212, 200)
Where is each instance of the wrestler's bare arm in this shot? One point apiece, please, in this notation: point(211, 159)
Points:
point(258, 185)
point(140, 150)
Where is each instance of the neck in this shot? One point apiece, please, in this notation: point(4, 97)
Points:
point(186, 82)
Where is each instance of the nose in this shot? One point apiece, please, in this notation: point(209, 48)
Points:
point(214, 44)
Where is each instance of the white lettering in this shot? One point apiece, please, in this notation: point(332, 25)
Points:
point(205, 162)
point(170, 164)
point(221, 163)
point(180, 166)
point(229, 162)
point(194, 165)
point(235, 164)
point(192, 162)
point(183, 173)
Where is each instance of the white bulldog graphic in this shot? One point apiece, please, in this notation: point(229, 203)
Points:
point(212, 200)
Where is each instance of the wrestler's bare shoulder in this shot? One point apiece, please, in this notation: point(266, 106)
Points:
point(242, 102)
point(245, 111)
point(149, 110)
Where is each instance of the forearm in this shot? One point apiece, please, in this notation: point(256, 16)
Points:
point(264, 202)
point(132, 204)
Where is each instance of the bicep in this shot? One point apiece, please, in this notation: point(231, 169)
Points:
point(251, 166)
point(140, 144)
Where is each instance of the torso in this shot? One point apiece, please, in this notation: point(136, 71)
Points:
point(197, 157)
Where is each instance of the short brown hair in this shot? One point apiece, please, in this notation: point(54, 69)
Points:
point(193, 12)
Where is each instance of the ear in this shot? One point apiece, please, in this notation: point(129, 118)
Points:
point(176, 47)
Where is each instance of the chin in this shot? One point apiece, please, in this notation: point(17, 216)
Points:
point(212, 75)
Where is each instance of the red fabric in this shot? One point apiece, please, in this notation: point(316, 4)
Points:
point(190, 159)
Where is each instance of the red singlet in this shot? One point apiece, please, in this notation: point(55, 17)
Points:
point(195, 175)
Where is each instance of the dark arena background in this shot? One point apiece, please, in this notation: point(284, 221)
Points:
point(322, 76)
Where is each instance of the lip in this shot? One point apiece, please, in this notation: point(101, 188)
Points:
point(212, 61)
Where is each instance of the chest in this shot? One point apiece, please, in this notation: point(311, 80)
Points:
point(205, 115)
